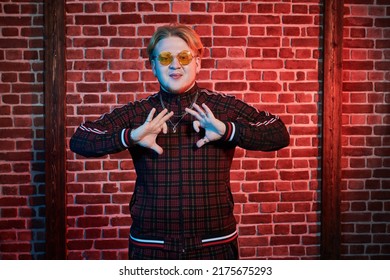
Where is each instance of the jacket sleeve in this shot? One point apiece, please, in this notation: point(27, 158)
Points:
point(255, 130)
point(109, 134)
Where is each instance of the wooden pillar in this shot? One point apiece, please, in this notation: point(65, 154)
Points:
point(331, 153)
point(55, 155)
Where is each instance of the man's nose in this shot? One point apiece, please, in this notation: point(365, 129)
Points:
point(175, 63)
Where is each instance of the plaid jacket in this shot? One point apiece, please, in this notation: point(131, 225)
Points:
point(182, 198)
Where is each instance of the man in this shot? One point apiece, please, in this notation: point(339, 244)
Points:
point(182, 141)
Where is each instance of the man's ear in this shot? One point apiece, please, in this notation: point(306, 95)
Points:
point(153, 65)
point(198, 61)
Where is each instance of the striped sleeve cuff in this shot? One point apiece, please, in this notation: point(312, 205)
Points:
point(230, 132)
point(126, 139)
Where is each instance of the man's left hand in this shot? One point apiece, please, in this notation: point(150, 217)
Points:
point(214, 128)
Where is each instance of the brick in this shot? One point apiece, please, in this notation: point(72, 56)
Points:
point(230, 86)
point(198, 7)
point(356, 173)
point(267, 64)
point(228, 41)
point(357, 86)
point(94, 210)
point(253, 241)
point(230, 19)
point(89, 42)
point(121, 198)
point(381, 217)
point(92, 199)
point(358, 21)
point(124, 19)
point(126, 87)
point(264, 197)
point(15, 66)
point(284, 240)
point(91, 87)
point(263, 42)
point(233, 64)
point(163, 18)
point(357, 109)
point(263, 19)
point(90, 65)
point(15, 247)
point(125, 42)
point(264, 175)
point(297, 196)
point(358, 43)
point(304, 86)
point(382, 22)
point(12, 224)
point(90, 20)
point(308, 43)
point(356, 238)
point(297, 19)
point(79, 244)
point(256, 219)
point(120, 221)
point(301, 64)
point(381, 130)
point(111, 244)
point(265, 86)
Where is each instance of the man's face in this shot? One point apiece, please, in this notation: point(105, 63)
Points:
point(175, 77)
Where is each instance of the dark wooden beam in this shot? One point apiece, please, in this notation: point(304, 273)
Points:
point(331, 130)
point(55, 155)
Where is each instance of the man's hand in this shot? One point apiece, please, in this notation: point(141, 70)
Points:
point(146, 134)
point(214, 128)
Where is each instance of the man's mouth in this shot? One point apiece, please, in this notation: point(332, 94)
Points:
point(175, 76)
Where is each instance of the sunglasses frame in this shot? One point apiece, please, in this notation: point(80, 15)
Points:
point(171, 57)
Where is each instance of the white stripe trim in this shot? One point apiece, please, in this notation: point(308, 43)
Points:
point(123, 138)
point(94, 130)
point(219, 238)
point(203, 240)
point(233, 132)
point(265, 122)
point(146, 240)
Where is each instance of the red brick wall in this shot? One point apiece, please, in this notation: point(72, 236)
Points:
point(366, 130)
point(265, 52)
point(22, 223)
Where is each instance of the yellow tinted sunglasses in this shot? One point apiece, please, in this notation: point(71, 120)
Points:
point(184, 57)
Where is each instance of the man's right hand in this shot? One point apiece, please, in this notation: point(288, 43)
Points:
point(146, 134)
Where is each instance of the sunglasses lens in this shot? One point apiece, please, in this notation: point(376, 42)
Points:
point(184, 57)
point(165, 58)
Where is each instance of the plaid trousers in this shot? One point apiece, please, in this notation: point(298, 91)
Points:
point(227, 251)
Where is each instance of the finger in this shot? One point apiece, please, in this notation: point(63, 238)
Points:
point(160, 115)
point(151, 114)
point(193, 113)
point(165, 128)
point(200, 111)
point(166, 117)
point(196, 125)
point(157, 149)
point(202, 142)
point(207, 109)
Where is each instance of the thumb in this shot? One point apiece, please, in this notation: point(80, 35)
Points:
point(157, 149)
point(202, 142)
point(196, 125)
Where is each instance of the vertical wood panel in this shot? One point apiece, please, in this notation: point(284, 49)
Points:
point(55, 129)
point(331, 156)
